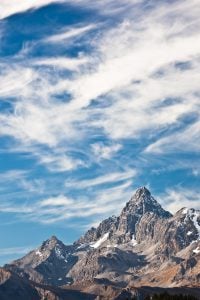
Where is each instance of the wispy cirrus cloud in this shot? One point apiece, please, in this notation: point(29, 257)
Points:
point(7, 8)
point(58, 208)
point(15, 251)
point(70, 33)
point(102, 151)
point(14, 80)
point(176, 198)
point(112, 7)
point(61, 62)
point(186, 140)
point(60, 163)
point(147, 52)
point(138, 81)
point(112, 178)
point(48, 209)
point(12, 175)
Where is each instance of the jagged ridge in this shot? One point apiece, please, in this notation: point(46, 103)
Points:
point(143, 245)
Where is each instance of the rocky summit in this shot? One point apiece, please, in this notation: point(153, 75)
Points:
point(142, 251)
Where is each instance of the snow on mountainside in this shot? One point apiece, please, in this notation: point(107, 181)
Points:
point(100, 241)
point(194, 216)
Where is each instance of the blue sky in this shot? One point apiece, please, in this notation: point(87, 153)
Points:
point(97, 98)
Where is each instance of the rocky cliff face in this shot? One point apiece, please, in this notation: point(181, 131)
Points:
point(14, 287)
point(144, 245)
point(141, 205)
point(92, 235)
point(122, 229)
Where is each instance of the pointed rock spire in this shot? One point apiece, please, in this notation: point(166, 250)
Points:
point(142, 192)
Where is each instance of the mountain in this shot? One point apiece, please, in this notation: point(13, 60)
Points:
point(14, 287)
point(48, 264)
point(144, 246)
point(123, 228)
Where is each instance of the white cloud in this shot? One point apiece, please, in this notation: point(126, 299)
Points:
point(107, 7)
point(61, 62)
point(61, 207)
point(139, 50)
point(177, 198)
point(186, 140)
point(69, 34)
point(61, 200)
point(109, 178)
point(15, 250)
point(102, 151)
point(20, 179)
point(8, 8)
point(39, 123)
point(36, 186)
point(131, 72)
point(14, 80)
point(60, 163)
point(12, 175)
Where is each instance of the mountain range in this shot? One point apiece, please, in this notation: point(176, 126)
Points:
point(142, 251)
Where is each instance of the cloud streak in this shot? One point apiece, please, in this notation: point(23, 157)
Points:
point(70, 34)
point(176, 198)
point(15, 251)
point(105, 179)
point(59, 208)
point(7, 8)
point(147, 52)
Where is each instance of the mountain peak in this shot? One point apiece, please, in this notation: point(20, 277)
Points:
point(54, 238)
point(142, 201)
point(143, 197)
point(142, 192)
point(51, 243)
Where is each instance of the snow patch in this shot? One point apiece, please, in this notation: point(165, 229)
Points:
point(193, 215)
point(185, 211)
point(133, 241)
point(60, 255)
point(38, 253)
point(197, 250)
point(82, 246)
point(100, 241)
point(112, 246)
point(189, 232)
